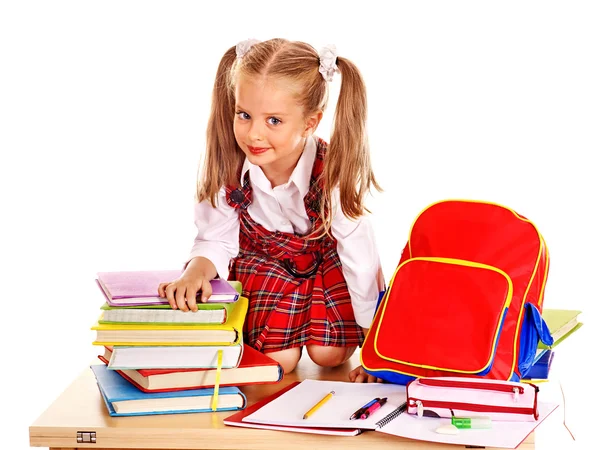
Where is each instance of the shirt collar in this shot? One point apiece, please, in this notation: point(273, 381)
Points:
point(300, 176)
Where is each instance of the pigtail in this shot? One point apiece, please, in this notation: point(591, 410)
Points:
point(223, 158)
point(347, 161)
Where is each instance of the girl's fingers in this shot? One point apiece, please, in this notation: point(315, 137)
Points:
point(184, 297)
point(161, 289)
point(359, 375)
point(206, 289)
point(190, 297)
point(353, 373)
point(170, 293)
point(180, 298)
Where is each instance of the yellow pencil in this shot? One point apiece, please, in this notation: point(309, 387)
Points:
point(312, 410)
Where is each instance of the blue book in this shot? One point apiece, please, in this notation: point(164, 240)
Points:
point(541, 366)
point(124, 399)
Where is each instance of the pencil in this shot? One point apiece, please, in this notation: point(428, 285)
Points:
point(312, 410)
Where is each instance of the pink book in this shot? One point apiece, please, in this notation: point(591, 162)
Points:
point(139, 288)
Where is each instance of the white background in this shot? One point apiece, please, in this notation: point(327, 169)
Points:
point(103, 109)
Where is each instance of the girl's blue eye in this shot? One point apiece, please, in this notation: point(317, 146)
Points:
point(273, 121)
point(243, 115)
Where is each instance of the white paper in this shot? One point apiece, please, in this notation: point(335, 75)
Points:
point(289, 408)
point(502, 434)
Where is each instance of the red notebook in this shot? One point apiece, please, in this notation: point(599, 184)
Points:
point(254, 368)
point(236, 420)
point(138, 288)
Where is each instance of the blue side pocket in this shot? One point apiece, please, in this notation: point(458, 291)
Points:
point(533, 330)
point(392, 377)
point(381, 295)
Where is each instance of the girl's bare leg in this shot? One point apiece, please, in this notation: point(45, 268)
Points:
point(329, 356)
point(287, 358)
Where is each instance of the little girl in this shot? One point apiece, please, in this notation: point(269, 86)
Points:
point(280, 210)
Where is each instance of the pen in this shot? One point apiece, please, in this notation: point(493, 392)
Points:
point(312, 410)
point(374, 407)
point(356, 414)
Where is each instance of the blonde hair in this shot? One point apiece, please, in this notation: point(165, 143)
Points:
point(347, 161)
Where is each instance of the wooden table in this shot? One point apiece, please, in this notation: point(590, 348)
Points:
point(80, 409)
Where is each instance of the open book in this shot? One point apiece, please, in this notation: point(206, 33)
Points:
point(289, 409)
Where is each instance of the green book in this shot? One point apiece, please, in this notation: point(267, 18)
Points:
point(562, 323)
point(208, 313)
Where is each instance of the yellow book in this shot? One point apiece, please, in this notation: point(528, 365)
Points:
point(228, 333)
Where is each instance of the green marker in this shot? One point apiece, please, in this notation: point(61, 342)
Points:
point(472, 422)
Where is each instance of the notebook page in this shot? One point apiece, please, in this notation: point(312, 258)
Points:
point(502, 434)
point(289, 408)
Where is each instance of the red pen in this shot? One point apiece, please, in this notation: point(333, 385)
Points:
point(374, 407)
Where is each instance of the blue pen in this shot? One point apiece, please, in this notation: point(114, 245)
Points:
point(363, 408)
point(374, 407)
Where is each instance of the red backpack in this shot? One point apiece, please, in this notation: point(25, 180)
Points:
point(466, 298)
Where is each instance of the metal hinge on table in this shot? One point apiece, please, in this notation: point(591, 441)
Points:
point(86, 437)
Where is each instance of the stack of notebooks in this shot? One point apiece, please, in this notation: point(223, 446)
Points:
point(562, 323)
point(158, 360)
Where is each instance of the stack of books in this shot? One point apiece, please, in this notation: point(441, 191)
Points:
point(562, 323)
point(158, 360)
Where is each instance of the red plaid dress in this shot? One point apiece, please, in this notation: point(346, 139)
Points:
point(296, 290)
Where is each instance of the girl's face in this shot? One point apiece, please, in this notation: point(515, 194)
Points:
point(270, 126)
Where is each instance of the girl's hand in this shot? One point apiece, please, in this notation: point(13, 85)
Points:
point(359, 375)
point(182, 292)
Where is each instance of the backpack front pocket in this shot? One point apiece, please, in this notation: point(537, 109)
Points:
point(448, 314)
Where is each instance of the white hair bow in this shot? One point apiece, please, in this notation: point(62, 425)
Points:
point(242, 48)
point(327, 59)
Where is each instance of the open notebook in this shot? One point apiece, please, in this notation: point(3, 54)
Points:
point(288, 409)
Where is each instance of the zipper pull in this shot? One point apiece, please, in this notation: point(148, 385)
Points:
point(516, 392)
point(419, 408)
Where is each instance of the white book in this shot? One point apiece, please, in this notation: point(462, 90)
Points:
point(163, 316)
point(174, 357)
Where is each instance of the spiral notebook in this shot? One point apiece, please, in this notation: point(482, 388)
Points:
point(288, 408)
point(391, 418)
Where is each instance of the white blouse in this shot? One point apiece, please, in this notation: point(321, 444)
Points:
point(282, 209)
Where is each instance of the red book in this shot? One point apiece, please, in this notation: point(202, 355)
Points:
point(254, 368)
point(236, 420)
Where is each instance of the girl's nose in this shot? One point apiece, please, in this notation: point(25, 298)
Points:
point(256, 131)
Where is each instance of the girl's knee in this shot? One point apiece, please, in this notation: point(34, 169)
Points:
point(288, 359)
point(329, 356)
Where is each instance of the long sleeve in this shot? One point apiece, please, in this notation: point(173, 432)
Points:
point(218, 233)
point(361, 264)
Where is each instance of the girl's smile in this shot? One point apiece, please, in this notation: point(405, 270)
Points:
point(257, 150)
